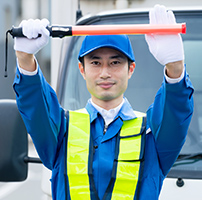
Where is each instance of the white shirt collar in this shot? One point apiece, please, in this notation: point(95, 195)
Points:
point(108, 115)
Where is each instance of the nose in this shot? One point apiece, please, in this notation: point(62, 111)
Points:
point(105, 72)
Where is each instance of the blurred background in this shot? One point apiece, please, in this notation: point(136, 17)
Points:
point(63, 12)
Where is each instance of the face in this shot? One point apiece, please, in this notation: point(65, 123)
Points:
point(106, 72)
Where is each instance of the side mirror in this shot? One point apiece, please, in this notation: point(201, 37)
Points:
point(13, 143)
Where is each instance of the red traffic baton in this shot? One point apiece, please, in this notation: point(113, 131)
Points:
point(136, 29)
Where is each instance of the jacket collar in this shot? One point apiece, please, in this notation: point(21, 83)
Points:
point(125, 113)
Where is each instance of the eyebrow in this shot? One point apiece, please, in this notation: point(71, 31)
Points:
point(118, 56)
point(94, 57)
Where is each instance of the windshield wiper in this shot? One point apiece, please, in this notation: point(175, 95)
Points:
point(189, 158)
point(195, 156)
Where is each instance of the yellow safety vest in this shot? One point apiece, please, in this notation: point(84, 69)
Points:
point(130, 149)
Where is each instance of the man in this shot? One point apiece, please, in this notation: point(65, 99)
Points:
point(104, 150)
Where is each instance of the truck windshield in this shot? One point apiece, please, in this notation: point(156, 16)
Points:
point(146, 81)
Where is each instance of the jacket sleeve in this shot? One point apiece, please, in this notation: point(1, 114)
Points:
point(41, 113)
point(169, 118)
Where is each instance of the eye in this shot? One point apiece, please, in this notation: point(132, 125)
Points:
point(95, 63)
point(115, 62)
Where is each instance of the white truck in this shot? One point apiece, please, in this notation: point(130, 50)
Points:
point(184, 180)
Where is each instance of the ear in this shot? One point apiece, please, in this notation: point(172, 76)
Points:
point(131, 69)
point(81, 69)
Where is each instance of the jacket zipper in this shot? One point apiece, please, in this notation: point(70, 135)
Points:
point(106, 126)
point(105, 129)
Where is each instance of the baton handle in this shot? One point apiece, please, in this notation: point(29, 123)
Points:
point(62, 31)
point(55, 31)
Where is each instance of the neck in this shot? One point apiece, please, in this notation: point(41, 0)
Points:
point(107, 105)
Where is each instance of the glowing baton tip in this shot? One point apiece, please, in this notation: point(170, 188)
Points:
point(183, 28)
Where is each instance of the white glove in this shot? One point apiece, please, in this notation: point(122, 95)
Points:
point(31, 44)
point(165, 48)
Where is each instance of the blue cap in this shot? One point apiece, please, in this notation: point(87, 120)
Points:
point(117, 42)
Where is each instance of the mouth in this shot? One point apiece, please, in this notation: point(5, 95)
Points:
point(106, 85)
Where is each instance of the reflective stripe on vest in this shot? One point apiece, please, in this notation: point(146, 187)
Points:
point(129, 150)
point(77, 155)
point(128, 160)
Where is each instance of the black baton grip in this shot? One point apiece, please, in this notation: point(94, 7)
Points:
point(16, 32)
point(55, 31)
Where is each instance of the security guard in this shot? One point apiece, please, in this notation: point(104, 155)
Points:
point(106, 150)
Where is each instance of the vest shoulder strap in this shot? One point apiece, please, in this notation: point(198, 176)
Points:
point(139, 114)
point(82, 110)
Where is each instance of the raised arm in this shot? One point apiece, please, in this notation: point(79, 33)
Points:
point(36, 100)
point(170, 115)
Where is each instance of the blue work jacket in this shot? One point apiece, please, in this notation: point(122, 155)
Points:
point(168, 119)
